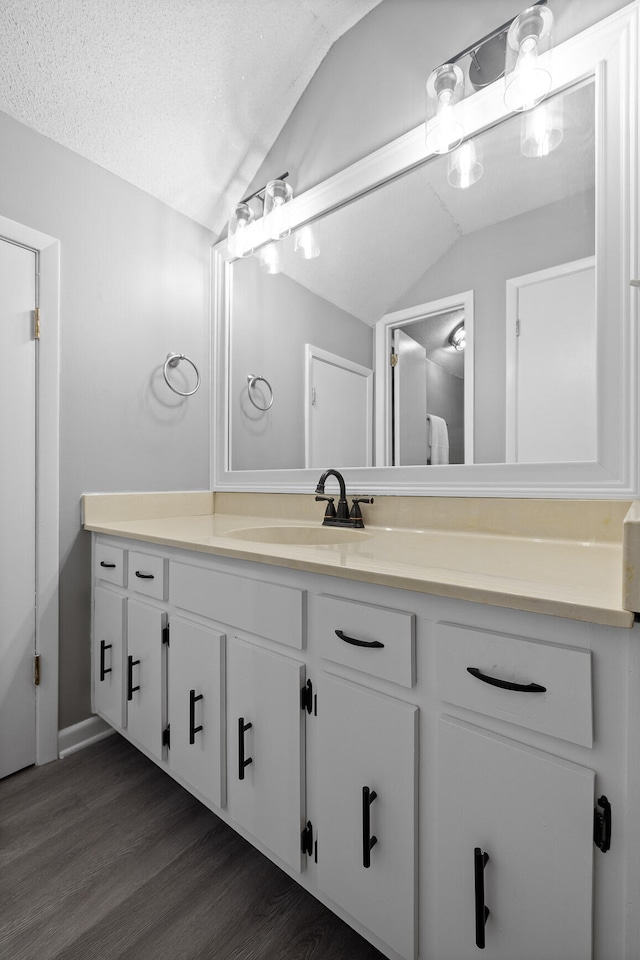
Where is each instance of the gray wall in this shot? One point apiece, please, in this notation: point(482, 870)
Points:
point(134, 285)
point(482, 262)
point(273, 318)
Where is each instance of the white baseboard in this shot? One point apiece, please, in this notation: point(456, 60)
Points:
point(82, 735)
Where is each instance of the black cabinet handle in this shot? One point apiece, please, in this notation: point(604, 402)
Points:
point(192, 716)
point(358, 643)
point(131, 663)
point(242, 763)
point(368, 842)
point(144, 576)
point(104, 670)
point(507, 684)
point(482, 912)
point(103, 563)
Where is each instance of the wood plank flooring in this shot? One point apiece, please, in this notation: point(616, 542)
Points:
point(104, 857)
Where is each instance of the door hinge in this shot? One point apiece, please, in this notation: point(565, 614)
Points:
point(166, 736)
point(602, 824)
point(306, 697)
point(517, 328)
point(165, 635)
point(307, 839)
point(36, 323)
point(393, 360)
point(36, 670)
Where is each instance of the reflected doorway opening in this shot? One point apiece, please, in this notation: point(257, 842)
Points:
point(424, 384)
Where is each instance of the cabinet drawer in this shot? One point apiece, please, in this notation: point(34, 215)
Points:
point(265, 609)
point(109, 564)
point(562, 709)
point(373, 639)
point(147, 575)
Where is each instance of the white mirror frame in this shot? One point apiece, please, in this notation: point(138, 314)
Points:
point(608, 50)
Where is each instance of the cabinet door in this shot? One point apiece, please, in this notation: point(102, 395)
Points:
point(145, 676)
point(368, 742)
point(196, 707)
point(265, 788)
point(108, 655)
point(533, 815)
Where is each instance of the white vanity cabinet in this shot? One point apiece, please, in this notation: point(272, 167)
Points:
point(265, 736)
point(515, 840)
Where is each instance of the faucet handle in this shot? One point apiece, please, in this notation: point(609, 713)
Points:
point(331, 510)
point(355, 509)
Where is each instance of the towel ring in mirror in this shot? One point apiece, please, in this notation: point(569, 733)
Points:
point(173, 359)
point(252, 380)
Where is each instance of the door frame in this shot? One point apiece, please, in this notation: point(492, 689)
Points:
point(312, 353)
point(513, 286)
point(47, 480)
point(383, 332)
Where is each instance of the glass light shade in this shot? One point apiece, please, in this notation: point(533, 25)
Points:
point(457, 337)
point(542, 129)
point(526, 82)
point(305, 244)
point(242, 216)
point(465, 166)
point(270, 259)
point(276, 194)
point(445, 88)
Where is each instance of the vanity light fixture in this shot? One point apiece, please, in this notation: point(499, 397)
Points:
point(272, 196)
point(511, 51)
point(465, 165)
point(457, 337)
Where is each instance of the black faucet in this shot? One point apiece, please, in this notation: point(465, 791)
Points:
point(341, 517)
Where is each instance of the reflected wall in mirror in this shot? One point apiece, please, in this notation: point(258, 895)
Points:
point(453, 223)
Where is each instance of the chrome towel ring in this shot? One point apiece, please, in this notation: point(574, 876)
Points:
point(252, 380)
point(173, 359)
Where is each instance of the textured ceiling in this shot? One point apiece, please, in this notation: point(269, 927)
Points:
point(183, 98)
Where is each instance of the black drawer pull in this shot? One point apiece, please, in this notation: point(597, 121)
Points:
point(358, 643)
point(368, 796)
point(103, 563)
point(480, 860)
point(242, 763)
point(145, 576)
point(507, 684)
point(104, 670)
point(131, 663)
point(192, 716)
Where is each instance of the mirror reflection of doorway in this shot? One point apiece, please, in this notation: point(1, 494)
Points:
point(425, 384)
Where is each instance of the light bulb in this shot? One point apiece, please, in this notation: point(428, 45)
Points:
point(542, 130)
point(526, 82)
point(305, 244)
point(270, 259)
point(465, 167)
point(238, 244)
point(277, 193)
point(445, 87)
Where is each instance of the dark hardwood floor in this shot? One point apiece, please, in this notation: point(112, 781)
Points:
point(103, 857)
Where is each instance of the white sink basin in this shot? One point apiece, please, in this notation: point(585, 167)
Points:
point(301, 535)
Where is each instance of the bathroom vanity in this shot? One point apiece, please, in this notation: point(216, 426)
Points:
point(441, 772)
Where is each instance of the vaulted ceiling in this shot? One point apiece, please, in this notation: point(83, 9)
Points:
point(183, 98)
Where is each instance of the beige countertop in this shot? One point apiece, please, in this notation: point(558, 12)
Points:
point(446, 553)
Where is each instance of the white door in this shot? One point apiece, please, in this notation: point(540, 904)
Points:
point(265, 784)
point(409, 401)
point(532, 814)
point(551, 365)
point(368, 788)
point(17, 508)
point(339, 411)
point(196, 707)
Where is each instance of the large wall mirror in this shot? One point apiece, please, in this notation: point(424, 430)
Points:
point(450, 324)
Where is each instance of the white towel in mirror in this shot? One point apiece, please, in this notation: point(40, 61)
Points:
point(437, 440)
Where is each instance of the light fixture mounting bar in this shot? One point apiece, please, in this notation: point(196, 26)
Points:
point(470, 50)
point(260, 192)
